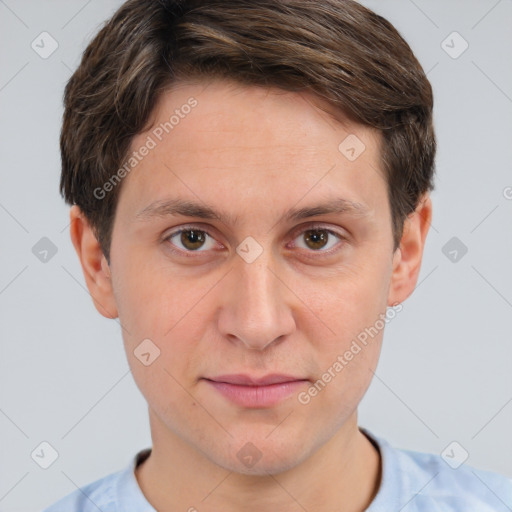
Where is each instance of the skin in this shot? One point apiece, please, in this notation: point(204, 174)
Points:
point(253, 153)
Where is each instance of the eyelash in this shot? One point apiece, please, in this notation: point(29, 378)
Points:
point(318, 227)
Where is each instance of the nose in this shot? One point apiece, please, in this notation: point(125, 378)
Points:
point(256, 309)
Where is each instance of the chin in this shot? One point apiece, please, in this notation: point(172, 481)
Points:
point(261, 457)
point(269, 465)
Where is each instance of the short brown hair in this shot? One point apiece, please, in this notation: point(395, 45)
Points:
point(337, 49)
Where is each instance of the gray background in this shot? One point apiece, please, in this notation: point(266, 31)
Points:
point(444, 374)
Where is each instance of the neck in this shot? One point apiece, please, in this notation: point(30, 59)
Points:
point(344, 474)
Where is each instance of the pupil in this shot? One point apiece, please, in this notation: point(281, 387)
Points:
point(317, 237)
point(192, 239)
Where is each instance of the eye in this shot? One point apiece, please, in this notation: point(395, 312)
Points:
point(191, 240)
point(318, 239)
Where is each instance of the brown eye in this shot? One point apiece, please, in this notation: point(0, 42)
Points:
point(316, 238)
point(191, 240)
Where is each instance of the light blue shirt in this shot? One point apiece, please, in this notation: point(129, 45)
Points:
point(411, 482)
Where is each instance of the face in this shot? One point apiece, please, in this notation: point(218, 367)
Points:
point(248, 241)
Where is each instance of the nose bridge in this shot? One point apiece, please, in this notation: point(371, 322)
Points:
point(258, 289)
point(256, 311)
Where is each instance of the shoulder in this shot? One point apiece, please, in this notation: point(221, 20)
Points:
point(98, 495)
point(460, 488)
point(421, 482)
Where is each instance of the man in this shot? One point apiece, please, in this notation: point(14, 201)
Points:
point(250, 187)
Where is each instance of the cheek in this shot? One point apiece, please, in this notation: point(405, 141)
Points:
point(352, 309)
point(166, 337)
point(345, 371)
point(167, 394)
point(152, 300)
point(161, 320)
point(348, 303)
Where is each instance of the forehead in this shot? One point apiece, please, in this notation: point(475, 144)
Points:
point(257, 143)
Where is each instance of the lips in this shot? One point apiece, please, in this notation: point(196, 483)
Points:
point(256, 392)
point(247, 380)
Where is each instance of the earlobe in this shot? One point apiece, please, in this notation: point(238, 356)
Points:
point(94, 264)
point(407, 258)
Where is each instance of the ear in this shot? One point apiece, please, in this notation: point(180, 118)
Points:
point(94, 264)
point(407, 257)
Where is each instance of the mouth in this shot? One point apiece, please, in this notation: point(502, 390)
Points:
point(256, 392)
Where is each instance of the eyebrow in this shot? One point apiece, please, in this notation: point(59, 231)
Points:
point(188, 208)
